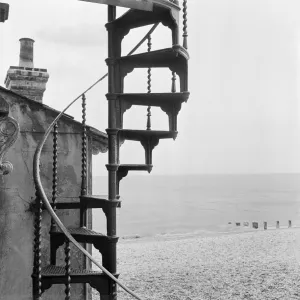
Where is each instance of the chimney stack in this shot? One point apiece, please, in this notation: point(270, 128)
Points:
point(26, 80)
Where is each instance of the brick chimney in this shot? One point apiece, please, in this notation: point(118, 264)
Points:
point(26, 80)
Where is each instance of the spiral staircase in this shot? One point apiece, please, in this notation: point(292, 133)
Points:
point(176, 59)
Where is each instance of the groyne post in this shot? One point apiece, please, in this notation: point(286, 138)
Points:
point(265, 225)
point(277, 224)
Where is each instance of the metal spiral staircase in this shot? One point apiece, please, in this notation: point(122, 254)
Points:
point(176, 59)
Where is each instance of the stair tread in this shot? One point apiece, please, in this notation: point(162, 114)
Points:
point(91, 201)
point(99, 201)
point(81, 231)
point(162, 56)
point(164, 96)
point(52, 271)
point(135, 167)
point(142, 18)
point(53, 274)
point(164, 100)
point(136, 134)
point(136, 4)
point(96, 197)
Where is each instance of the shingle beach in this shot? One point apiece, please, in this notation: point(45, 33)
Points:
point(258, 265)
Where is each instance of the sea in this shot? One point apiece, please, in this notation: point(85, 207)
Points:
point(158, 205)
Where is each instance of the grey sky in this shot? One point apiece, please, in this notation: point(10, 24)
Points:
point(243, 114)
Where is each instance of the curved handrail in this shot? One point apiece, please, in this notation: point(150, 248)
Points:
point(40, 190)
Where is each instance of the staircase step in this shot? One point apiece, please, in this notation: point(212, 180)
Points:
point(148, 138)
point(95, 201)
point(174, 58)
point(170, 103)
point(57, 271)
point(136, 4)
point(164, 11)
point(156, 59)
point(81, 235)
point(150, 99)
point(89, 201)
point(56, 275)
point(125, 168)
point(135, 167)
point(144, 135)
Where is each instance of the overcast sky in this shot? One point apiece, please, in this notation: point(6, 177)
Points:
point(243, 112)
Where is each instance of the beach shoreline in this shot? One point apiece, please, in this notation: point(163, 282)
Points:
point(199, 234)
point(254, 264)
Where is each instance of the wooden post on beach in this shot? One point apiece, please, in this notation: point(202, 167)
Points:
point(255, 225)
point(290, 224)
point(265, 225)
point(277, 224)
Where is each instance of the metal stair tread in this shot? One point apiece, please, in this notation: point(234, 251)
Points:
point(80, 231)
point(90, 201)
point(143, 18)
point(96, 197)
point(99, 201)
point(135, 167)
point(163, 55)
point(58, 271)
point(132, 134)
point(147, 97)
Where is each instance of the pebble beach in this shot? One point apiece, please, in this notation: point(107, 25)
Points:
point(250, 265)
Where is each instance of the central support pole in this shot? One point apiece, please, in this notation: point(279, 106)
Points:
point(113, 159)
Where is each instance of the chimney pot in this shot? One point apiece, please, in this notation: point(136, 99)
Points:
point(4, 11)
point(26, 53)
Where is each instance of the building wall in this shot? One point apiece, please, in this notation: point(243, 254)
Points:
point(17, 192)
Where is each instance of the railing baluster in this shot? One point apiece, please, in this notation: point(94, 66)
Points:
point(185, 33)
point(84, 150)
point(37, 287)
point(173, 89)
point(68, 269)
point(54, 180)
point(149, 87)
point(149, 118)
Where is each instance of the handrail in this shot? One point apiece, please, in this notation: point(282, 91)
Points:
point(41, 192)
